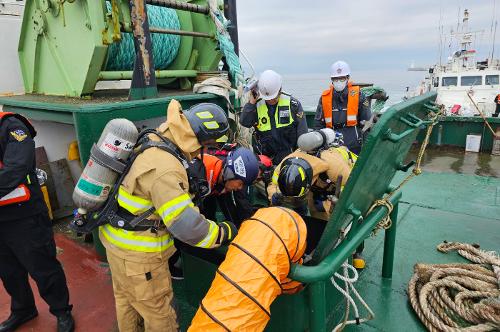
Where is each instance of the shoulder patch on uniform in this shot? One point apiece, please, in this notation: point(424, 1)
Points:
point(19, 135)
point(366, 103)
point(239, 167)
point(300, 115)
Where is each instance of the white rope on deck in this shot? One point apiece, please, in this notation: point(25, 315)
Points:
point(349, 286)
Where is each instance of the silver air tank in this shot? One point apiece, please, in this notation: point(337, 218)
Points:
point(105, 164)
point(313, 140)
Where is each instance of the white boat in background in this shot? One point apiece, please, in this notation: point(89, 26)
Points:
point(463, 78)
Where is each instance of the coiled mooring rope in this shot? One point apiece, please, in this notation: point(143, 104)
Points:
point(458, 297)
point(165, 47)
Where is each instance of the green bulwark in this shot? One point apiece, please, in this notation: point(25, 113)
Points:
point(315, 308)
point(91, 116)
point(453, 130)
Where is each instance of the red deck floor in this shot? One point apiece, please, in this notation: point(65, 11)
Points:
point(90, 289)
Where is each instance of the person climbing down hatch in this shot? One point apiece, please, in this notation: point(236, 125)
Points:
point(277, 117)
point(228, 179)
point(228, 172)
point(311, 179)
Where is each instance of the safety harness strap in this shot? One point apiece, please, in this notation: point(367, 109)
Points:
point(106, 161)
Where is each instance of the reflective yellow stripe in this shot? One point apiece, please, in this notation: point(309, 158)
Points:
point(132, 204)
point(283, 101)
point(173, 208)
point(345, 155)
point(275, 176)
point(264, 122)
point(209, 240)
point(130, 241)
point(302, 174)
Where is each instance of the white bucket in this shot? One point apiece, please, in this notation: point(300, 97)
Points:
point(473, 143)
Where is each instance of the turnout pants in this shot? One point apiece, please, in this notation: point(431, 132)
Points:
point(27, 247)
point(143, 293)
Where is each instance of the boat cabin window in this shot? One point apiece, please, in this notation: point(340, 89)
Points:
point(471, 80)
point(492, 80)
point(448, 81)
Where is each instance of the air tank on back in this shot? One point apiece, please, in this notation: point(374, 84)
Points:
point(313, 140)
point(102, 170)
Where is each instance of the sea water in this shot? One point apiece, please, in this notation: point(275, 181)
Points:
point(307, 88)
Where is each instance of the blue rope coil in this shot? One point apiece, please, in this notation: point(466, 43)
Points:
point(165, 47)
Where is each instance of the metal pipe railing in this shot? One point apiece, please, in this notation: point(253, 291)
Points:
point(173, 32)
point(181, 32)
point(180, 6)
point(328, 266)
point(127, 75)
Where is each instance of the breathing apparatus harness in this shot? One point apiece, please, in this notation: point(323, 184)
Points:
point(118, 217)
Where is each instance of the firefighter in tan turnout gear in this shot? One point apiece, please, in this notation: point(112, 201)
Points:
point(158, 179)
point(311, 181)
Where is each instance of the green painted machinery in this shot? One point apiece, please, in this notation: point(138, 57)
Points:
point(64, 45)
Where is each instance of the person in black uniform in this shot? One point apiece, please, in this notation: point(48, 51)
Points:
point(277, 117)
point(26, 239)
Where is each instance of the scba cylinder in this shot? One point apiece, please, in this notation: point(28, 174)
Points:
point(315, 139)
point(101, 172)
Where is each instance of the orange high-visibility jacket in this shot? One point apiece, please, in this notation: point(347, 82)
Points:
point(352, 105)
point(213, 167)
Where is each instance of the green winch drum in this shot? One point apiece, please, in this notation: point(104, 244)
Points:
point(66, 48)
point(165, 47)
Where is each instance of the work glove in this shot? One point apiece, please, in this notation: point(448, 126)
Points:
point(228, 232)
point(276, 199)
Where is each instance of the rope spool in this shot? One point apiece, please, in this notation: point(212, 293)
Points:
point(458, 297)
point(165, 47)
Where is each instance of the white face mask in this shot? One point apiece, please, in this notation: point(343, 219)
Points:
point(339, 85)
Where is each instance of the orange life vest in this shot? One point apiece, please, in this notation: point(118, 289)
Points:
point(21, 193)
point(213, 167)
point(498, 98)
point(352, 105)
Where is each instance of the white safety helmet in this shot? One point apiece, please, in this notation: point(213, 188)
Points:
point(269, 84)
point(339, 69)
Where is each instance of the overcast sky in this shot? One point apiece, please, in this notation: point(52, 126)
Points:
point(307, 36)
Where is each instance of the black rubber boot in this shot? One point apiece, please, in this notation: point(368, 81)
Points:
point(65, 322)
point(15, 320)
